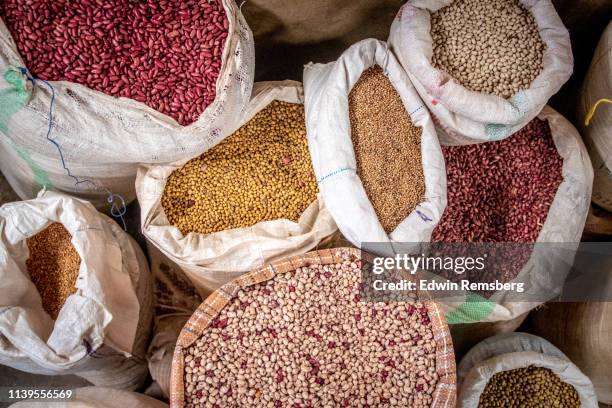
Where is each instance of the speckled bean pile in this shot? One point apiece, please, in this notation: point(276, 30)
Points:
point(261, 172)
point(305, 339)
point(53, 266)
point(488, 46)
point(387, 148)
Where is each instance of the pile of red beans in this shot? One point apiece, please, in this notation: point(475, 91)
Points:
point(164, 53)
point(500, 191)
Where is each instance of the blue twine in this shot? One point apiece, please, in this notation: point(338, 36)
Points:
point(116, 211)
point(423, 216)
point(333, 173)
point(411, 113)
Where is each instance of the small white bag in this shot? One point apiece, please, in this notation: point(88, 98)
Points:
point(463, 116)
point(102, 329)
point(327, 88)
point(210, 260)
point(511, 351)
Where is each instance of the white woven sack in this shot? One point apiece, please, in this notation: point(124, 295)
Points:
point(97, 397)
point(564, 225)
point(463, 116)
point(327, 87)
point(102, 329)
point(210, 260)
point(103, 138)
point(516, 350)
point(598, 134)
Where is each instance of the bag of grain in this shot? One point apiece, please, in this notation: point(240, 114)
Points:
point(76, 293)
point(374, 147)
point(534, 186)
point(534, 372)
point(175, 301)
point(249, 200)
point(597, 90)
point(484, 69)
point(171, 89)
point(302, 319)
point(96, 397)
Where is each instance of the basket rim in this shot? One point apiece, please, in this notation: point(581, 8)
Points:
point(445, 394)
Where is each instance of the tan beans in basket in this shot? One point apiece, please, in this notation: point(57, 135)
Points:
point(305, 339)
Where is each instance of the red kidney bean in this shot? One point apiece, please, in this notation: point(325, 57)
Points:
point(138, 49)
point(500, 191)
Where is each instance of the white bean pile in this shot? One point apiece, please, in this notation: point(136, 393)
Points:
point(488, 46)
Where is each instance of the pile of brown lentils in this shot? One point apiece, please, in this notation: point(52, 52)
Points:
point(488, 46)
point(387, 148)
point(261, 172)
point(305, 339)
point(529, 387)
point(53, 266)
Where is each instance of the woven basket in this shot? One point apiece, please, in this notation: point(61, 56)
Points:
point(445, 393)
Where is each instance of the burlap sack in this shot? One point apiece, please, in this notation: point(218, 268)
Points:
point(102, 329)
point(327, 87)
point(210, 260)
point(463, 116)
point(443, 396)
point(516, 350)
point(103, 138)
point(595, 106)
point(582, 331)
point(320, 23)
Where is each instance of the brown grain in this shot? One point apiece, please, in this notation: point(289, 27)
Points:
point(53, 266)
point(387, 148)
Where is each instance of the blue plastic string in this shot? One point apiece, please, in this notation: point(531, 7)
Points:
point(333, 173)
point(423, 216)
point(412, 113)
point(117, 211)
